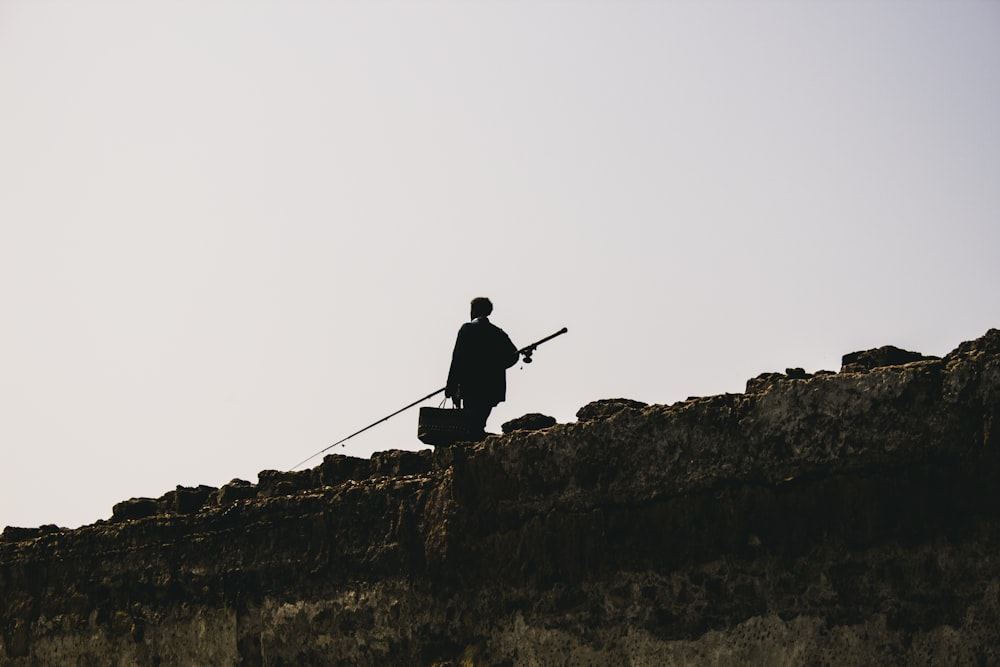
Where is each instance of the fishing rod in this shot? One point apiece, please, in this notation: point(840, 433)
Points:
point(525, 351)
point(530, 349)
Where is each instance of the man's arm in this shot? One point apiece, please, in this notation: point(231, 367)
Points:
point(453, 386)
point(510, 355)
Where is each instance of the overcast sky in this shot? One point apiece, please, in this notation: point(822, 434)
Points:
point(232, 233)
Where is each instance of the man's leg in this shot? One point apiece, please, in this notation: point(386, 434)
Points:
point(476, 414)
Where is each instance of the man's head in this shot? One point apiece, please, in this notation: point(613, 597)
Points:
point(481, 307)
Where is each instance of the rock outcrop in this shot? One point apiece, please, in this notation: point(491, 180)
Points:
point(827, 518)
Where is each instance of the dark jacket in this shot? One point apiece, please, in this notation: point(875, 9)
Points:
point(483, 353)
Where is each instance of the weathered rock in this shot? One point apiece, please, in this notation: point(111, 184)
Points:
point(760, 383)
point(14, 534)
point(134, 508)
point(185, 500)
point(397, 462)
point(530, 422)
point(887, 355)
point(848, 518)
point(271, 483)
point(234, 491)
point(607, 407)
point(989, 344)
point(337, 468)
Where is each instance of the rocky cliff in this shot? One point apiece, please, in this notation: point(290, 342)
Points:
point(835, 518)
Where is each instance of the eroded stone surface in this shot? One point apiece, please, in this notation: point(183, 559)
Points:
point(530, 422)
point(848, 518)
point(887, 355)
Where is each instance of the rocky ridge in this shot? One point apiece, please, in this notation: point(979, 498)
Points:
point(847, 517)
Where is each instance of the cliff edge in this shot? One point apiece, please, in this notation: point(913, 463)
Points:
point(828, 518)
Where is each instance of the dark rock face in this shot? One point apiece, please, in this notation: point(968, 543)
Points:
point(237, 489)
point(134, 508)
point(887, 355)
point(530, 422)
point(848, 518)
point(607, 407)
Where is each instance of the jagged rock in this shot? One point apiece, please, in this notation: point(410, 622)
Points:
point(18, 534)
point(529, 422)
point(134, 508)
point(14, 534)
point(188, 500)
point(271, 483)
point(763, 381)
point(760, 383)
point(398, 462)
point(607, 407)
point(888, 355)
point(849, 518)
point(185, 500)
point(337, 468)
point(989, 344)
point(234, 491)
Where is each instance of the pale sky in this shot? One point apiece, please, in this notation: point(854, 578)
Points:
point(232, 233)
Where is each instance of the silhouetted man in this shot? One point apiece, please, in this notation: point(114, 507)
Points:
point(477, 379)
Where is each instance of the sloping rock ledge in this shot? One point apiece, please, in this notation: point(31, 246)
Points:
point(847, 518)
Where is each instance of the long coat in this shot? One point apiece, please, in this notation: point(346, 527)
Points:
point(483, 353)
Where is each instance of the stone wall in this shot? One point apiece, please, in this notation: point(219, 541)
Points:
point(847, 518)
